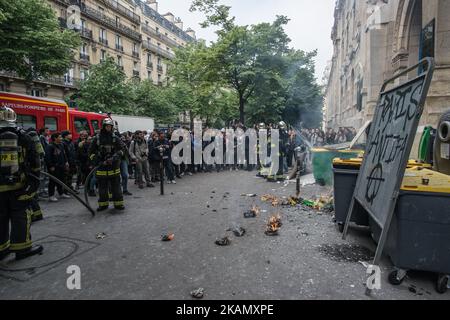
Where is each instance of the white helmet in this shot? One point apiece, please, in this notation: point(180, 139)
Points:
point(8, 117)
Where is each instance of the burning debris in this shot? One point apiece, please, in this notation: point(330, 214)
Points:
point(275, 201)
point(253, 213)
point(168, 237)
point(273, 225)
point(292, 201)
point(225, 241)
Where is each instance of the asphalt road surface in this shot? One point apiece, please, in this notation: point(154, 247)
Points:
point(308, 260)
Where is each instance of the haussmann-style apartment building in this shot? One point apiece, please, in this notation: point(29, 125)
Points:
point(140, 40)
point(376, 39)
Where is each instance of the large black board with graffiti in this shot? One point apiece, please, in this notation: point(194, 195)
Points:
point(389, 144)
point(391, 136)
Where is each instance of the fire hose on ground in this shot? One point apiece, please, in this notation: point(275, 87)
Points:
point(68, 189)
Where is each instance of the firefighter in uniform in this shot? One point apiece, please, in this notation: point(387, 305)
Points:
point(36, 209)
point(18, 159)
point(106, 152)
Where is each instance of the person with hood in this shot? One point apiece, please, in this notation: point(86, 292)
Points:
point(139, 154)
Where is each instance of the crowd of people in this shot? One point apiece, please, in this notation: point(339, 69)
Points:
point(319, 138)
point(67, 159)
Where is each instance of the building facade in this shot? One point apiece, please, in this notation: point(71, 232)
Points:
point(375, 40)
point(132, 32)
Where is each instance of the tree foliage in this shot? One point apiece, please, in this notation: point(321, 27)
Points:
point(31, 41)
point(106, 90)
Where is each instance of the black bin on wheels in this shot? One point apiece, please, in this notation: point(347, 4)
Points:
point(419, 236)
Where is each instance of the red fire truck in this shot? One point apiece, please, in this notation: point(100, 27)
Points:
point(37, 113)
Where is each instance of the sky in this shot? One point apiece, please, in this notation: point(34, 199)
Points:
point(309, 28)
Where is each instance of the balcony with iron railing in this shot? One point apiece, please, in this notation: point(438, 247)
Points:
point(154, 48)
point(103, 41)
point(102, 18)
point(136, 74)
point(123, 10)
point(159, 68)
point(119, 47)
point(150, 65)
point(135, 54)
point(84, 56)
point(155, 33)
point(86, 33)
point(62, 81)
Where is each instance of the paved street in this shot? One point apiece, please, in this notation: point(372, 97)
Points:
point(132, 262)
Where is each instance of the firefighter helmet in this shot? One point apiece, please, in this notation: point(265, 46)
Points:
point(8, 117)
point(282, 125)
point(108, 122)
point(262, 126)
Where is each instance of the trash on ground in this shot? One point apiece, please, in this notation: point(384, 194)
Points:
point(273, 225)
point(239, 231)
point(323, 203)
point(168, 237)
point(101, 236)
point(250, 195)
point(292, 201)
point(274, 200)
point(225, 241)
point(198, 293)
point(253, 213)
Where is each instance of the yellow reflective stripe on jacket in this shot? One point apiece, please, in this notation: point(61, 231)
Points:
point(4, 246)
point(27, 197)
point(108, 173)
point(13, 187)
point(103, 204)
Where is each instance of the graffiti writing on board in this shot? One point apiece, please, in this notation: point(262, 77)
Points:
point(388, 144)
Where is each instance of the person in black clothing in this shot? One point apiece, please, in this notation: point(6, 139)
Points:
point(57, 164)
point(162, 144)
point(153, 157)
point(71, 154)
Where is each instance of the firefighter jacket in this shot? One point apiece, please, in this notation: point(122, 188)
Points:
point(18, 158)
point(106, 152)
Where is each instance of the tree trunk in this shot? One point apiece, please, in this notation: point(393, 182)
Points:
point(241, 109)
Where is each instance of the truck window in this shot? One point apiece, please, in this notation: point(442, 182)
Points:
point(51, 123)
point(95, 125)
point(81, 124)
point(26, 121)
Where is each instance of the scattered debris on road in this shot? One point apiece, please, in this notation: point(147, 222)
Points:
point(198, 293)
point(101, 236)
point(273, 225)
point(167, 237)
point(253, 213)
point(249, 195)
point(225, 241)
point(323, 203)
point(346, 252)
point(238, 231)
point(270, 198)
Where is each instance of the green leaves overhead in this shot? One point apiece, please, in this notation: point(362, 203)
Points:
point(31, 41)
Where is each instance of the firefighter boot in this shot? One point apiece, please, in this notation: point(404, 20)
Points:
point(23, 254)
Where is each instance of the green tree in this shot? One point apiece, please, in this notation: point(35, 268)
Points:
point(106, 90)
point(31, 41)
point(154, 101)
point(304, 98)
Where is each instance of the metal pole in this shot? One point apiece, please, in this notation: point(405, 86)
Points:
point(161, 170)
